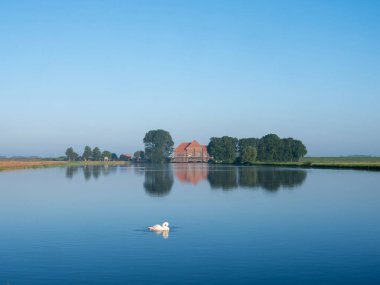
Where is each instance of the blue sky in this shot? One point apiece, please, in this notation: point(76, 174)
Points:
point(103, 73)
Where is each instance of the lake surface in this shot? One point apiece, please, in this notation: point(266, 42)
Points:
point(229, 225)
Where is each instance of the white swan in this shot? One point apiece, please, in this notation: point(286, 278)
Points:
point(159, 228)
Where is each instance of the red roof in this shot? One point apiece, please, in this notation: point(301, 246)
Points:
point(182, 147)
point(194, 143)
point(185, 145)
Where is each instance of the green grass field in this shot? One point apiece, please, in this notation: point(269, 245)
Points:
point(342, 159)
point(349, 162)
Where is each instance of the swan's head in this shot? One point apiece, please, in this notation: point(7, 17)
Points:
point(165, 224)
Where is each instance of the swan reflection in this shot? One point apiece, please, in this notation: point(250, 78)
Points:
point(164, 234)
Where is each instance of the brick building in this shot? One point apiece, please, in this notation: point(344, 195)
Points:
point(190, 152)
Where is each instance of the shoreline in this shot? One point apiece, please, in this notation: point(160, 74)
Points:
point(370, 166)
point(8, 165)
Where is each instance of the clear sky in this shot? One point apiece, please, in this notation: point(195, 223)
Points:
point(103, 73)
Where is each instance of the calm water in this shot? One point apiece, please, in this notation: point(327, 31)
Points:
point(229, 225)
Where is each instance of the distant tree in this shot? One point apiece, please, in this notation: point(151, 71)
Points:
point(158, 146)
point(249, 155)
point(139, 155)
point(298, 150)
point(71, 154)
point(243, 143)
point(272, 148)
point(87, 154)
point(107, 154)
point(269, 148)
point(96, 154)
point(114, 157)
point(223, 149)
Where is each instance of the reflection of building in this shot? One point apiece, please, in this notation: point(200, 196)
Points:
point(191, 173)
point(190, 152)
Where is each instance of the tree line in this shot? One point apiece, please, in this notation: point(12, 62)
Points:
point(269, 148)
point(89, 154)
point(159, 147)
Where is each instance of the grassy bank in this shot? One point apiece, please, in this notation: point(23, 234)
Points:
point(17, 164)
point(364, 163)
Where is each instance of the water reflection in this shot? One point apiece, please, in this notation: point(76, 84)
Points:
point(158, 180)
point(270, 179)
point(164, 234)
point(225, 178)
point(190, 173)
point(232, 177)
point(90, 171)
point(71, 171)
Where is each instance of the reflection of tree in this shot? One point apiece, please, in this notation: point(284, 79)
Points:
point(87, 172)
point(225, 178)
point(96, 171)
point(71, 171)
point(269, 179)
point(273, 179)
point(90, 171)
point(139, 169)
point(158, 181)
point(248, 177)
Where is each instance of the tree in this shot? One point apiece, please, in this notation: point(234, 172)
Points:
point(139, 155)
point(243, 143)
point(107, 154)
point(158, 146)
point(298, 150)
point(87, 154)
point(71, 154)
point(96, 154)
point(272, 148)
point(249, 155)
point(269, 148)
point(114, 157)
point(223, 149)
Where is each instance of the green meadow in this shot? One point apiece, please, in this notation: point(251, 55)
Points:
point(344, 162)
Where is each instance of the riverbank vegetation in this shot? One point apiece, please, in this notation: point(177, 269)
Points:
point(347, 162)
point(269, 148)
point(89, 154)
point(12, 164)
